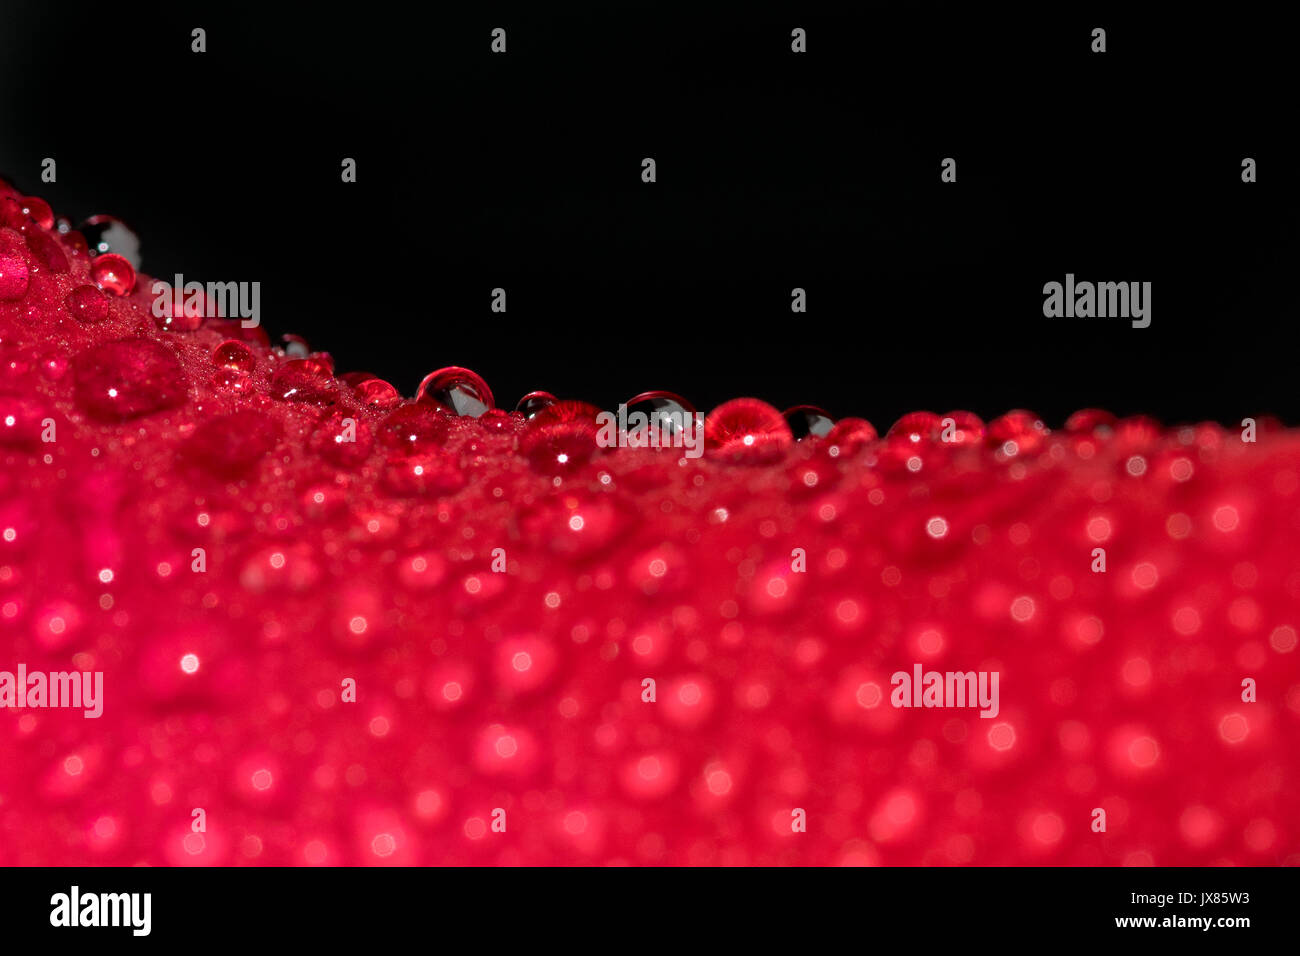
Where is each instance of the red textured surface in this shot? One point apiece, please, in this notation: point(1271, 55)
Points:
point(521, 690)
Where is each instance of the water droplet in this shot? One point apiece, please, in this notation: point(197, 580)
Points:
point(961, 428)
point(48, 253)
point(280, 568)
point(378, 394)
point(120, 380)
point(577, 527)
point(1088, 421)
point(910, 443)
point(566, 412)
point(295, 346)
point(231, 445)
point(14, 276)
point(915, 428)
point(182, 311)
point(235, 381)
point(534, 402)
point(38, 211)
point(234, 329)
point(497, 420)
point(1137, 432)
point(431, 473)
point(54, 365)
point(413, 428)
point(747, 430)
point(808, 421)
point(353, 379)
point(457, 391)
point(105, 234)
point(1017, 433)
point(11, 212)
point(302, 380)
point(330, 440)
point(113, 274)
point(20, 420)
point(87, 304)
point(77, 242)
point(235, 356)
point(15, 370)
point(669, 411)
point(22, 212)
point(561, 438)
point(849, 435)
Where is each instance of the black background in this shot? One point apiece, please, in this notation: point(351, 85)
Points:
point(775, 170)
point(315, 909)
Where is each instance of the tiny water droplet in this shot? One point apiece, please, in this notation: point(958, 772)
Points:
point(534, 402)
point(78, 243)
point(331, 441)
point(1137, 432)
point(295, 346)
point(182, 311)
point(669, 411)
point(125, 379)
point(113, 274)
point(234, 329)
point(234, 355)
point(1017, 432)
point(20, 420)
point(48, 253)
point(104, 234)
point(561, 438)
point(232, 379)
point(808, 421)
point(431, 473)
point(302, 380)
point(748, 431)
point(54, 365)
point(413, 428)
point(915, 428)
point(14, 277)
point(87, 304)
point(378, 394)
point(497, 420)
point(849, 435)
point(38, 210)
point(232, 444)
point(457, 391)
point(961, 428)
point(11, 212)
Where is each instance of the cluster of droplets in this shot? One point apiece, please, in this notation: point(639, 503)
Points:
point(351, 531)
point(121, 380)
